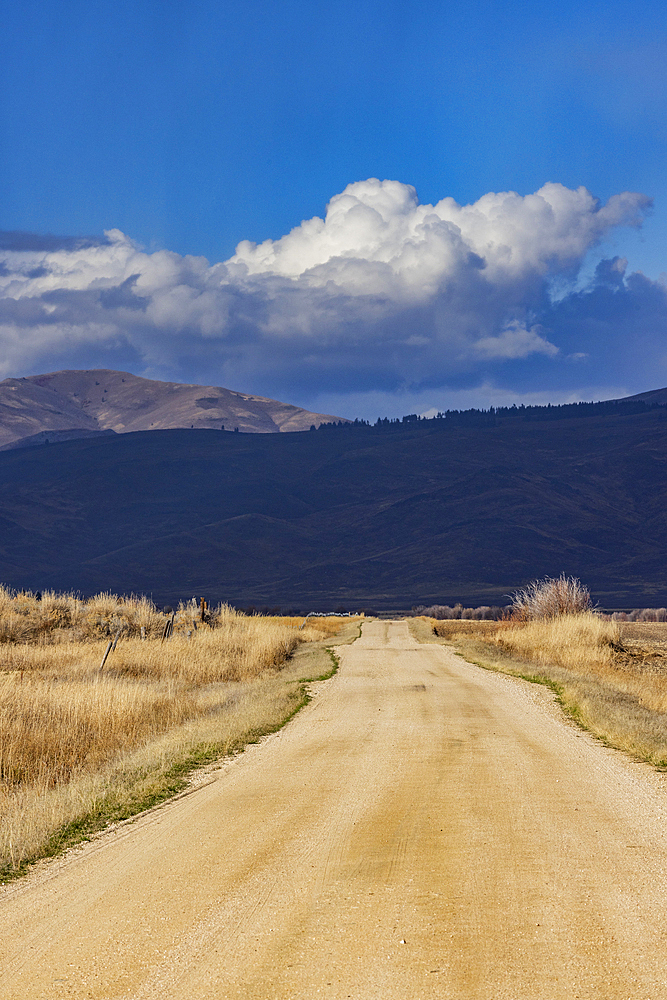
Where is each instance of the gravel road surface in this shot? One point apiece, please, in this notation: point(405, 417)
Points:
point(422, 829)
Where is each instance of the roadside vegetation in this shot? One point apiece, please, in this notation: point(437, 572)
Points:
point(83, 744)
point(456, 612)
point(609, 675)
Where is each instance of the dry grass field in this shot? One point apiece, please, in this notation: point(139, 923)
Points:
point(81, 745)
point(610, 676)
point(448, 629)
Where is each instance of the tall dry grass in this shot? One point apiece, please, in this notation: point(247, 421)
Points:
point(70, 731)
point(576, 641)
point(618, 694)
point(589, 647)
point(47, 617)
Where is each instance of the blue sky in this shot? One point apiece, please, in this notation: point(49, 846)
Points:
point(190, 128)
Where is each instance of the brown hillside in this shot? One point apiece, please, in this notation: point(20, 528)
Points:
point(100, 399)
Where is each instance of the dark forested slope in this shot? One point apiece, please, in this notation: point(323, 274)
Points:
point(418, 512)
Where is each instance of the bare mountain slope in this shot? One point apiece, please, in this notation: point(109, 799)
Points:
point(103, 400)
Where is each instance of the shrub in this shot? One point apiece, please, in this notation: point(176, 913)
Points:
point(443, 612)
point(640, 615)
point(550, 598)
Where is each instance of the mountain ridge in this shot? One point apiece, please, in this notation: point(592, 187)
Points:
point(101, 399)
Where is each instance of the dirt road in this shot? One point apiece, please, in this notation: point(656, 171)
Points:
point(423, 829)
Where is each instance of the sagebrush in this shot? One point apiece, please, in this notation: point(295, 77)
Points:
point(551, 597)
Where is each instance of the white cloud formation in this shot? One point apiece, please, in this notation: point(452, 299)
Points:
point(376, 237)
point(383, 289)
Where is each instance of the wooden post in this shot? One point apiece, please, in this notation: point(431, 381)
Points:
point(104, 658)
point(143, 631)
point(203, 608)
point(169, 627)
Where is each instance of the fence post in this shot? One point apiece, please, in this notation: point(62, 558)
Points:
point(104, 658)
point(169, 627)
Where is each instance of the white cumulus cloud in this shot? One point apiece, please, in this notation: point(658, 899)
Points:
point(382, 291)
point(376, 237)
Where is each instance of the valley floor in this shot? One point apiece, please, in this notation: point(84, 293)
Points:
point(423, 828)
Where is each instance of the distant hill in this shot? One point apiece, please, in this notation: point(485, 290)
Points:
point(103, 400)
point(412, 512)
point(656, 396)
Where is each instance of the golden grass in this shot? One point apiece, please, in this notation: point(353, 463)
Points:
point(39, 819)
point(78, 742)
point(580, 642)
point(447, 628)
point(316, 626)
point(64, 617)
point(616, 690)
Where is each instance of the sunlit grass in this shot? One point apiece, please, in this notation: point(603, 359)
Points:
point(78, 741)
point(619, 695)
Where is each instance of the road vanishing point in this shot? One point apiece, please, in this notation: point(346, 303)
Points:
point(422, 829)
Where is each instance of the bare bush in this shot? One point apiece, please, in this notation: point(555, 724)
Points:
point(640, 615)
point(551, 598)
point(443, 612)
